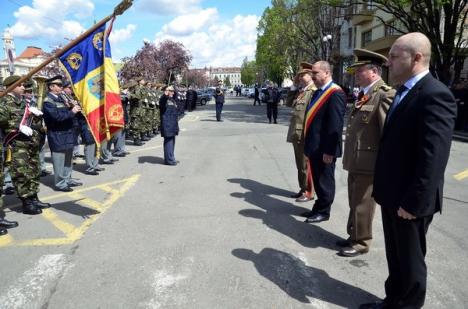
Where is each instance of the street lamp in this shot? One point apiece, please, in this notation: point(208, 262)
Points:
point(327, 40)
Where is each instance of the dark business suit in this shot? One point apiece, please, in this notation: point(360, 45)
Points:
point(409, 173)
point(324, 136)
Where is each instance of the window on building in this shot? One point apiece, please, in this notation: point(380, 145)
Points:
point(366, 38)
point(350, 37)
point(390, 28)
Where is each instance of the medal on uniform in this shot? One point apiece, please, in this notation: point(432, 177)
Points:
point(361, 102)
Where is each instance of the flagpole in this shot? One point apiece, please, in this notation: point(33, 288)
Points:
point(118, 10)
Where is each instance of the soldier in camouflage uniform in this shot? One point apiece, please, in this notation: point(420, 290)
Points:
point(4, 224)
point(136, 111)
point(22, 125)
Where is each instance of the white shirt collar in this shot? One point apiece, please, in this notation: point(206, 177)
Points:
point(366, 89)
point(413, 80)
point(326, 85)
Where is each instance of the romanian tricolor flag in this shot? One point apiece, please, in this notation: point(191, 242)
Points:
point(90, 68)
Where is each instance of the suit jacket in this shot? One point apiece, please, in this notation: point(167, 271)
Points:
point(59, 119)
point(364, 127)
point(324, 136)
point(298, 100)
point(169, 116)
point(414, 149)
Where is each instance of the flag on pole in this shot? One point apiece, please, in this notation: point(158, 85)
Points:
point(94, 80)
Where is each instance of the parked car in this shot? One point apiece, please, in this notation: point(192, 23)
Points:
point(203, 97)
point(245, 92)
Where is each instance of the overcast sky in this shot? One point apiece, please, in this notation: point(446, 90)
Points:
point(217, 33)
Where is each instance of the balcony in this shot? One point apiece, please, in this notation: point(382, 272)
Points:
point(362, 17)
point(383, 43)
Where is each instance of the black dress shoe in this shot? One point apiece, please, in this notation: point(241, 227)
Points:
point(121, 155)
point(3, 232)
point(317, 218)
point(106, 162)
point(343, 243)
point(75, 184)
point(298, 194)
point(45, 173)
point(93, 172)
point(99, 169)
point(66, 189)
point(8, 224)
point(351, 252)
point(375, 305)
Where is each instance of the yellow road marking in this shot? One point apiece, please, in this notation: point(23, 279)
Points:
point(5, 240)
point(75, 234)
point(63, 226)
point(144, 149)
point(461, 175)
point(83, 200)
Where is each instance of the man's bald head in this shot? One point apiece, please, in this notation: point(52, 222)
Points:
point(410, 55)
point(416, 42)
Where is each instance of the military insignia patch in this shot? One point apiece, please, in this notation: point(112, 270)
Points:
point(96, 87)
point(97, 41)
point(74, 60)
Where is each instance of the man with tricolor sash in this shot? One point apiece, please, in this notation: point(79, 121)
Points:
point(323, 128)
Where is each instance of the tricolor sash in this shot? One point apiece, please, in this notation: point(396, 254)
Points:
point(314, 106)
point(317, 103)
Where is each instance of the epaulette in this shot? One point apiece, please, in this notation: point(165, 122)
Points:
point(386, 88)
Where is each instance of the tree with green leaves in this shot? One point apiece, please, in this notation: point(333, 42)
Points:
point(442, 21)
point(248, 72)
point(227, 82)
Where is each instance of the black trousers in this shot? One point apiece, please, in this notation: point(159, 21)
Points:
point(257, 99)
point(405, 247)
point(323, 176)
point(272, 109)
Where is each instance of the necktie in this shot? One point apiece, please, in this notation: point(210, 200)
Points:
point(396, 100)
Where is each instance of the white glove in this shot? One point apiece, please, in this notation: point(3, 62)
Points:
point(35, 111)
point(26, 130)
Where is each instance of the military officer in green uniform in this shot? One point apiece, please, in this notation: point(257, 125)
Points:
point(21, 122)
point(136, 97)
point(298, 98)
point(364, 127)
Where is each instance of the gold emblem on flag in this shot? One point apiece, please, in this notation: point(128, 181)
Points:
point(115, 113)
point(97, 40)
point(74, 60)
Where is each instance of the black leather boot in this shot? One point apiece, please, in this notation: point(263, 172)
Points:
point(137, 142)
point(3, 231)
point(5, 224)
point(38, 203)
point(29, 208)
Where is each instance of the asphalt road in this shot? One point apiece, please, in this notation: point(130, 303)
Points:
point(216, 231)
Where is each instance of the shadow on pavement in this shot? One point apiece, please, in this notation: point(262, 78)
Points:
point(71, 207)
point(150, 159)
point(278, 215)
point(301, 281)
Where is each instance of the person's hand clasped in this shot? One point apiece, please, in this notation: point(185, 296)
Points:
point(327, 159)
point(404, 214)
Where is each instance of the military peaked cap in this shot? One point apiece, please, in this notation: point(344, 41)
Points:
point(364, 56)
point(57, 79)
point(10, 80)
point(305, 68)
point(29, 85)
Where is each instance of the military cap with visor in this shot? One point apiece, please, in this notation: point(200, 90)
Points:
point(57, 80)
point(10, 80)
point(364, 57)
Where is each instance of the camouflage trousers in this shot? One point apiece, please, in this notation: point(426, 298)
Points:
point(25, 168)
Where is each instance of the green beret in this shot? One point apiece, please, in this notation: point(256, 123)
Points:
point(10, 80)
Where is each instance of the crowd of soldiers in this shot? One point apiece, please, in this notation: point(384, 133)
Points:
point(27, 123)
